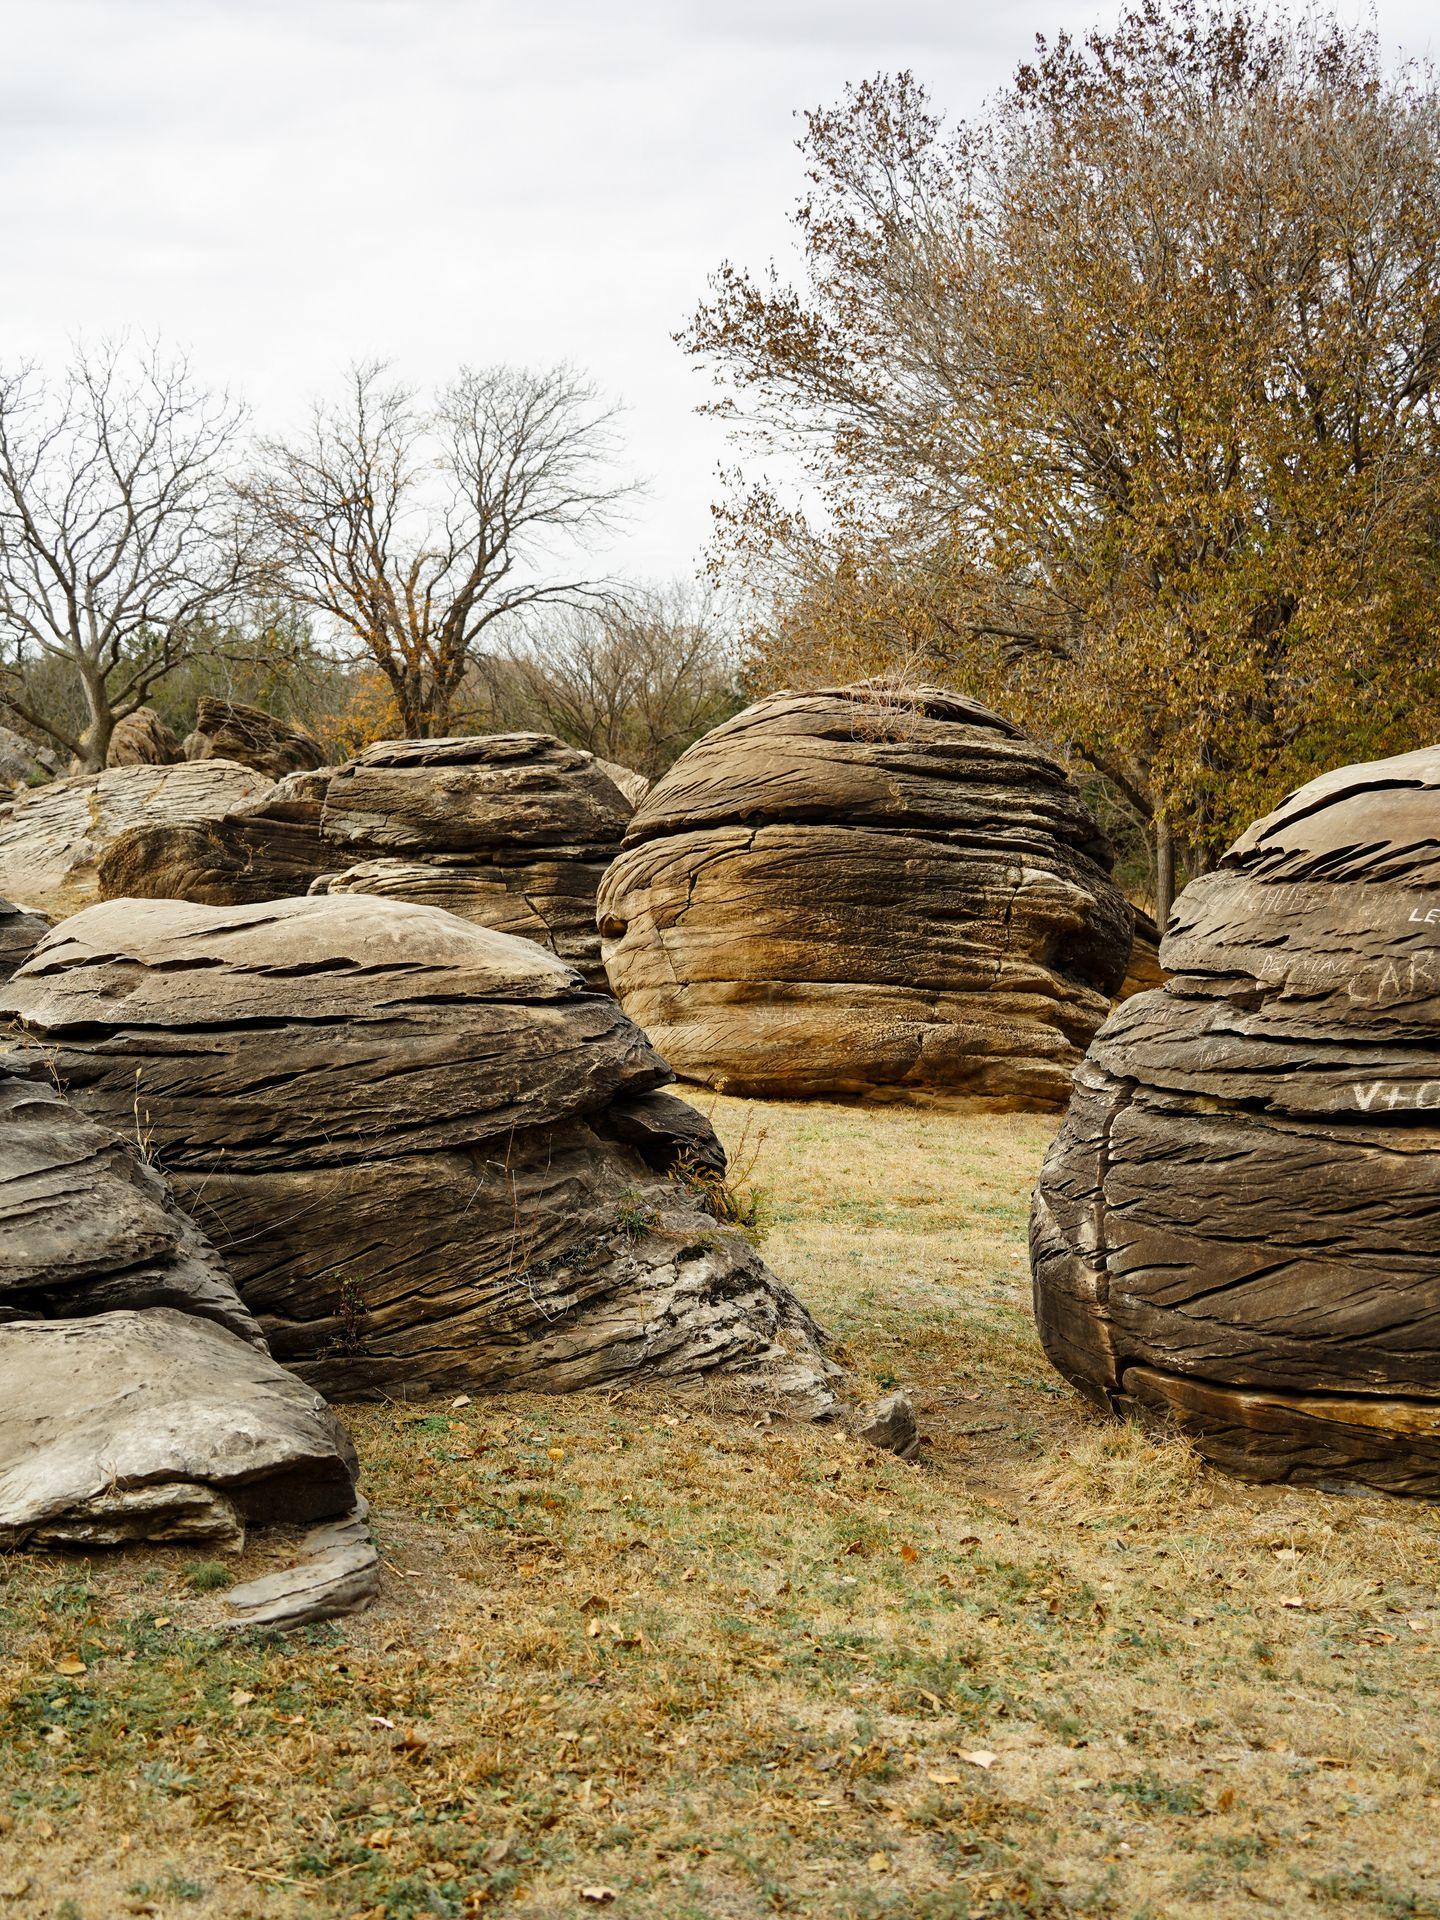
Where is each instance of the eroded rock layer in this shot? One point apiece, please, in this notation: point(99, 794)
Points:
point(841, 892)
point(429, 1156)
point(53, 839)
point(1237, 1225)
point(511, 831)
point(137, 1397)
point(231, 730)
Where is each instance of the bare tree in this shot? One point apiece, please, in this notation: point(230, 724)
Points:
point(415, 527)
point(635, 679)
point(117, 531)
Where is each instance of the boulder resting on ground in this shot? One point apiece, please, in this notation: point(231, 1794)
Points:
point(137, 1398)
point(853, 892)
point(413, 1141)
point(142, 739)
point(1236, 1228)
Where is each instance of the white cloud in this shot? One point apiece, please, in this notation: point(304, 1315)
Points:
point(286, 184)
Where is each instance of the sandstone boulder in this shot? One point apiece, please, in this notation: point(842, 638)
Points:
point(231, 730)
point(847, 893)
point(412, 1139)
point(269, 848)
point(1236, 1226)
point(142, 739)
point(633, 785)
point(512, 831)
point(53, 839)
point(20, 934)
point(22, 763)
point(137, 1398)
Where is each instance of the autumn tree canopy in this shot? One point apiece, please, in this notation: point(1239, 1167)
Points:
point(1120, 403)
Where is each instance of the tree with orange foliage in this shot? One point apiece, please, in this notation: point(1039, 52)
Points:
point(1123, 402)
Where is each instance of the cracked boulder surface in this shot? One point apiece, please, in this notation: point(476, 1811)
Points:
point(510, 831)
point(137, 1398)
point(20, 934)
point(850, 892)
point(231, 730)
point(1237, 1226)
point(429, 1156)
point(54, 837)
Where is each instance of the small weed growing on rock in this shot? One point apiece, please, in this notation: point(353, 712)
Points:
point(633, 1218)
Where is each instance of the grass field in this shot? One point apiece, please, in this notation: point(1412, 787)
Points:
point(634, 1658)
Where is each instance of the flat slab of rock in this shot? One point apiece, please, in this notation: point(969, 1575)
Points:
point(138, 1400)
point(336, 1572)
point(840, 893)
point(429, 1156)
point(54, 838)
point(155, 1425)
point(1236, 1227)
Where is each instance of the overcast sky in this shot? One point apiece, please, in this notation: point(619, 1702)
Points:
point(286, 185)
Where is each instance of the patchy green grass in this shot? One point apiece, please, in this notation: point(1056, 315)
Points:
point(632, 1657)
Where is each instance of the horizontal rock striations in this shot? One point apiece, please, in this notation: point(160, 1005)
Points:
point(511, 831)
point(428, 1155)
point(1237, 1224)
point(54, 838)
point(137, 1399)
point(847, 892)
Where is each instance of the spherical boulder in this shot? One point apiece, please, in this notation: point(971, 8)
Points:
point(860, 893)
point(429, 1157)
point(1236, 1227)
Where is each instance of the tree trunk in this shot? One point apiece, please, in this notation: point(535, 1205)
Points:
point(1164, 873)
point(95, 740)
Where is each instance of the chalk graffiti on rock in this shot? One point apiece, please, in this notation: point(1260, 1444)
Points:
point(1424, 1096)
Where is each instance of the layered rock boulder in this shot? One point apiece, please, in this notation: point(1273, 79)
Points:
point(142, 739)
point(1237, 1227)
point(269, 848)
point(231, 730)
point(511, 831)
point(54, 837)
point(429, 1156)
point(137, 1398)
point(846, 892)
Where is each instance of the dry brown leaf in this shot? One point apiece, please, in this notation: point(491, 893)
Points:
point(71, 1665)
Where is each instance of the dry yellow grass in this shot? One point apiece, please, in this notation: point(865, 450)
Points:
point(635, 1658)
